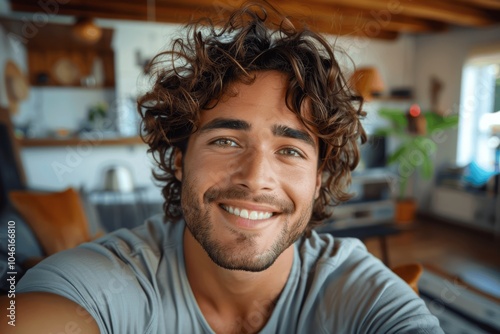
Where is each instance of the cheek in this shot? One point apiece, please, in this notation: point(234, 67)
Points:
point(302, 183)
point(208, 169)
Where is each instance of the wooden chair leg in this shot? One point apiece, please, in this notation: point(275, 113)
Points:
point(410, 273)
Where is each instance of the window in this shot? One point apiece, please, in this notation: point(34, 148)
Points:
point(478, 133)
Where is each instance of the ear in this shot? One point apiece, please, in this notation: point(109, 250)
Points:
point(178, 164)
point(319, 179)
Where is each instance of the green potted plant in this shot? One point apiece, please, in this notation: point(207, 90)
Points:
point(416, 135)
point(97, 114)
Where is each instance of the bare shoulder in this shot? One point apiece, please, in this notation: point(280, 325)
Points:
point(41, 312)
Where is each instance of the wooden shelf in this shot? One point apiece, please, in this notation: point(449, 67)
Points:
point(54, 142)
point(386, 98)
point(48, 67)
point(75, 87)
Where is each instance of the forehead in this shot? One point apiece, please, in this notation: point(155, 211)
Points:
point(261, 101)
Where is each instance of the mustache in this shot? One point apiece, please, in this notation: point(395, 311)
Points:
point(217, 194)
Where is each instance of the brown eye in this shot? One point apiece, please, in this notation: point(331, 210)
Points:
point(290, 152)
point(225, 142)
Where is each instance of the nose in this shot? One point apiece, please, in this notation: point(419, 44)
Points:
point(255, 171)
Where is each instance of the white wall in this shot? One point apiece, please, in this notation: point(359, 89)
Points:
point(393, 59)
point(129, 37)
point(444, 55)
point(51, 108)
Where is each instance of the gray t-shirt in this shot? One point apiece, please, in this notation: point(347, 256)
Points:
point(134, 281)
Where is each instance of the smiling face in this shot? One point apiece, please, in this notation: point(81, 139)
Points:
point(249, 176)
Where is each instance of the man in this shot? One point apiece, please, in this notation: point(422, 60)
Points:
point(255, 134)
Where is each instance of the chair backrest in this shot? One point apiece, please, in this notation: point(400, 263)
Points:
point(11, 170)
point(410, 273)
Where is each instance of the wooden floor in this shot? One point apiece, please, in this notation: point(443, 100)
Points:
point(441, 245)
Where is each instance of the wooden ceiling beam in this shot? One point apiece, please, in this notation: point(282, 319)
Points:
point(376, 16)
point(125, 11)
point(470, 10)
point(466, 12)
point(361, 18)
point(327, 12)
point(486, 4)
point(182, 14)
point(354, 31)
point(425, 9)
point(128, 10)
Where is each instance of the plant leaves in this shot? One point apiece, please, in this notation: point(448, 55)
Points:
point(427, 148)
point(437, 122)
point(394, 157)
point(427, 168)
point(397, 118)
point(387, 132)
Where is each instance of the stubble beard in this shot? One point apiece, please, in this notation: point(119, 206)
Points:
point(241, 254)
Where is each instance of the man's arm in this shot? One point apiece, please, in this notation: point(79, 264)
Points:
point(45, 313)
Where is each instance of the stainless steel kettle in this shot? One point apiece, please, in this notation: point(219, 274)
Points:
point(118, 179)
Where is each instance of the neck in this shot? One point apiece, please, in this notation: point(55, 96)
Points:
point(234, 294)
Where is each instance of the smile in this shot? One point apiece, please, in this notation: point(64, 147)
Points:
point(244, 213)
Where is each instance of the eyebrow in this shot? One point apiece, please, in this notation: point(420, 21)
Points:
point(277, 130)
point(285, 131)
point(225, 123)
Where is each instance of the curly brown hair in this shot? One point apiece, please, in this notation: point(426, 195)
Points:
point(195, 73)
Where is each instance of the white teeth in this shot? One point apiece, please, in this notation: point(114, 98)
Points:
point(243, 213)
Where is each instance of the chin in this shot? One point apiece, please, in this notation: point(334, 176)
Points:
point(245, 264)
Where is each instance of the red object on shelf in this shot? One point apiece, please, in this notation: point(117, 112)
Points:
point(417, 123)
point(415, 110)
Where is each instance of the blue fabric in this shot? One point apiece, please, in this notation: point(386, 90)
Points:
point(477, 176)
point(27, 245)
